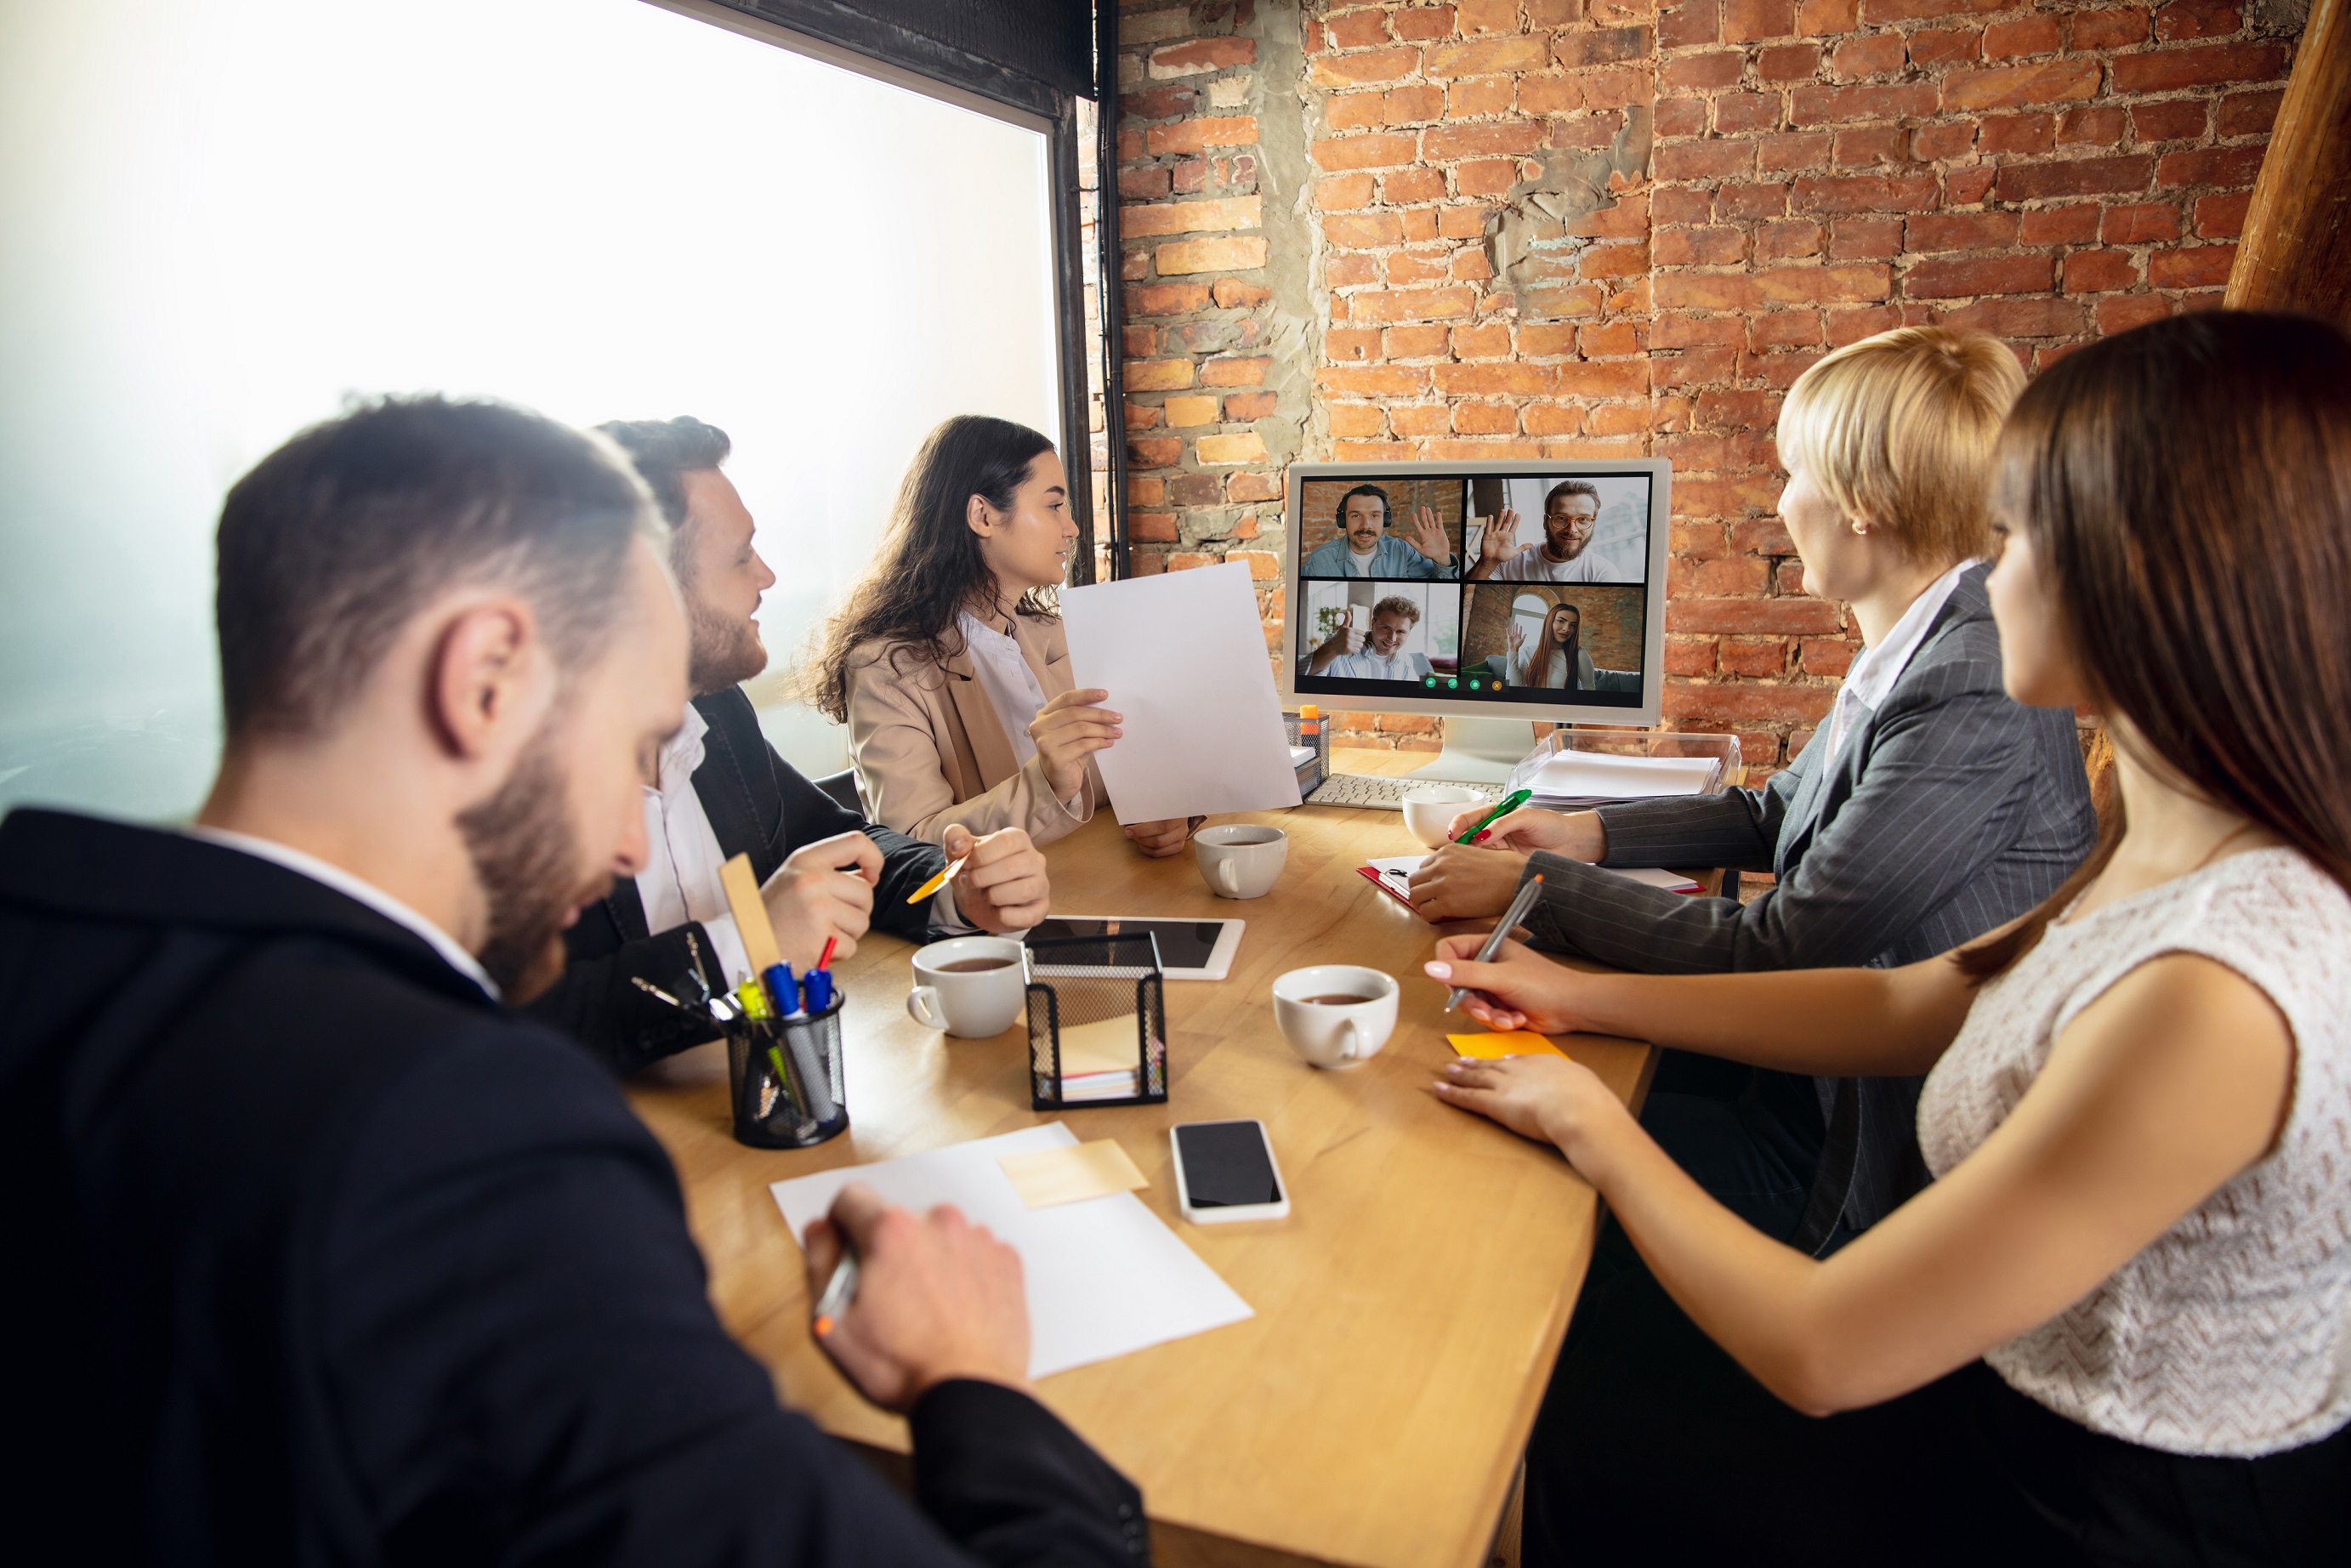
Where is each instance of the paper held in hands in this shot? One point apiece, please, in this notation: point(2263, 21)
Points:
point(1182, 656)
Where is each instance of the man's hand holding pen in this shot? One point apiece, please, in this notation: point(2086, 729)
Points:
point(936, 1298)
point(823, 892)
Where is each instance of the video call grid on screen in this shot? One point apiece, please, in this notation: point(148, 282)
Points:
point(1562, 616)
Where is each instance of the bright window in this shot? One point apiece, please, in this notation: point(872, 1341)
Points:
point(220, 217)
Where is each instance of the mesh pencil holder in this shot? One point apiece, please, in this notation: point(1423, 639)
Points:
point(785, 1077)
point(1097, 1024)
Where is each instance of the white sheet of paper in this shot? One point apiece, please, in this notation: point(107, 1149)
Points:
point(1604, 776)
point(1396, 872)
point(1105, 1276)
point(1182, 657)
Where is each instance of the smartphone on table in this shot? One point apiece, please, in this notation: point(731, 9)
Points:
point(1225, 1172)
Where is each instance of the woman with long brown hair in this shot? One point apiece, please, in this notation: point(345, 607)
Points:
point(2118, 1327)
point(949, 662)
point(1557, 660)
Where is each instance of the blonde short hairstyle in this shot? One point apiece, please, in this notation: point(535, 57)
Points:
point(1899, 429)
point(1397, 604)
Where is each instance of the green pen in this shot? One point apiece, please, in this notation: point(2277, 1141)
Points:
point(1509, 803)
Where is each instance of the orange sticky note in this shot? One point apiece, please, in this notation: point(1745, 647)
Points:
point(1512, 1042)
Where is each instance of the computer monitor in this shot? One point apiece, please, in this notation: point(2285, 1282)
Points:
point(1395, 604)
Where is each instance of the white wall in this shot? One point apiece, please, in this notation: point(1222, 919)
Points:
point(220, 217)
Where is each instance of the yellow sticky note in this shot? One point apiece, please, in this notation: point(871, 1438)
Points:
point(1513, 1043)
point(1110, 1045)
point(1071, 1173)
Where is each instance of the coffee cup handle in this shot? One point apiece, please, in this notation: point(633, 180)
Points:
point(1350, 1040)
point(924, 1007)
point(1228, 879)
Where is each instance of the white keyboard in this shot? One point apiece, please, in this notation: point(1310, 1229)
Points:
point(1381, 794)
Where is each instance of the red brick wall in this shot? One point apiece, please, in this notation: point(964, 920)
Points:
point(1606, 227)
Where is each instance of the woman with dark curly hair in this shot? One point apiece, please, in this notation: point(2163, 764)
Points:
point(948, 663)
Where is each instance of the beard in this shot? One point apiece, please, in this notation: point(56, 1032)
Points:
point(1570, 545)
point(723, 652)
point(526, 858)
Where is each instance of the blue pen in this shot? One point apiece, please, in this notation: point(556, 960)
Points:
point(787, 995)
point(816, 986)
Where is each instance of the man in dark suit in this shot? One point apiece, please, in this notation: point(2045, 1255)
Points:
point(721, 790)
point(319, 1254)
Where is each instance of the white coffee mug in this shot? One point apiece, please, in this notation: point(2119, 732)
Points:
point(1429, 810)
point(973, 987)
point(1240, 860)
point(1336, 1015)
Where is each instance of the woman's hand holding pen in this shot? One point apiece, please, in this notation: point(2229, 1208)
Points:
point(1539, 1096)
point(1578, 835)
point(823, 892)
point(937, 1298)
point(1069, 730)
point(1520, 989)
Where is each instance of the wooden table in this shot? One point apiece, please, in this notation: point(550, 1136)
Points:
point(1408, 1311)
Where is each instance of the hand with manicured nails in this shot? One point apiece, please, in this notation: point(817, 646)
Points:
point(1520, 989)
point(1069, 730)
point(937, 1298)
point(1539, 1096)
point(1003, 887)
point(1429, 537)
point(1578, 835)
point(823, 891)
point(1464, 882)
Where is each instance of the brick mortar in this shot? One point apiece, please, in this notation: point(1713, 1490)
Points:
point(1692, 201)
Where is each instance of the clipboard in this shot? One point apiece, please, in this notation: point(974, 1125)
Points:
point(1395, 883)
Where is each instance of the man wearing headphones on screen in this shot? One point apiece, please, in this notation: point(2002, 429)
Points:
point(1365, 548)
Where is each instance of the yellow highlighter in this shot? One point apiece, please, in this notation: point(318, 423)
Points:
point(947, 874)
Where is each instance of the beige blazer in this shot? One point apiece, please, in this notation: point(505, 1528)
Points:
point(930, 751)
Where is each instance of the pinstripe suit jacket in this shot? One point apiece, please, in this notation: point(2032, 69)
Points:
point(1949, 811)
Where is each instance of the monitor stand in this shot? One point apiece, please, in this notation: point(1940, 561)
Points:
point(1480, 750)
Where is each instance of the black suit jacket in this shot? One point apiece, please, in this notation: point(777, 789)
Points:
point(319, 1256)
point(759, 805)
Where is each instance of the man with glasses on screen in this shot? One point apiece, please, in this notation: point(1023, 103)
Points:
point(1571, 514)
point(320, 1254)
point(721, 790)
point(1377, 655)
point(1365, 548)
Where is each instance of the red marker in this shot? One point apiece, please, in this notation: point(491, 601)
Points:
point(825, 962)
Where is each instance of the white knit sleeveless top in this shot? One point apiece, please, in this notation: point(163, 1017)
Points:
point(2230, 1333)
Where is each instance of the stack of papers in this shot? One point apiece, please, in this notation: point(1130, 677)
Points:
point(1100, 1061)
point(1577, 779)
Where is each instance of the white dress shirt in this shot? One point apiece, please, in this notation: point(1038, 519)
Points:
point(1011, 686)
point(1876, 669)
point(680, 881)
point(363, 892)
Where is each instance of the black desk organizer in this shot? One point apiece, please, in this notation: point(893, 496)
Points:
point(1074, 981)
point(803, 1105)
